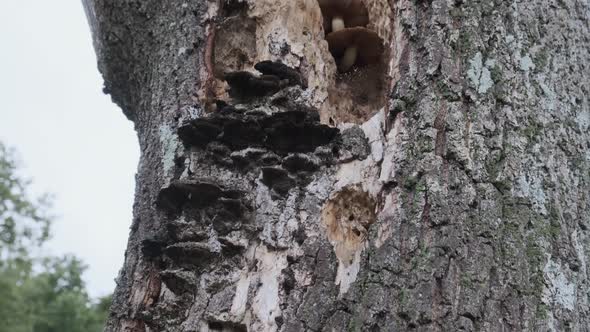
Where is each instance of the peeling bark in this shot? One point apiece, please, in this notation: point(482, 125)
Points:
point(444, 188)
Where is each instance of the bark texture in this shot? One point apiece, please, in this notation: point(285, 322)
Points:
point(445, 188)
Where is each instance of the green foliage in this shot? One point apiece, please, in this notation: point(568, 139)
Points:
point(38, 294)
point(24, 222)
point(49, 301)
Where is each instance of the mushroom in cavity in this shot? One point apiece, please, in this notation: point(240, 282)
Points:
point(354, 45)
point(344, 13)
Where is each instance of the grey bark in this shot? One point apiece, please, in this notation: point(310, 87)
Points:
point(460, 203)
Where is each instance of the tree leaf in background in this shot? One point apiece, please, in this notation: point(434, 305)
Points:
point(38, 294)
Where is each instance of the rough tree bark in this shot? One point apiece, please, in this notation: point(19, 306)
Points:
point(445, 188)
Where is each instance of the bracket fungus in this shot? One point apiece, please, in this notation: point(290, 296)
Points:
point(244, 84)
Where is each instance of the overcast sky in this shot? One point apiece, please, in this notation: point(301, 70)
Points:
point(72, 141)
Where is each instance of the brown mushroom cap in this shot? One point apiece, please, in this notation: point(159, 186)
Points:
point(353, 12)
point(368, 43)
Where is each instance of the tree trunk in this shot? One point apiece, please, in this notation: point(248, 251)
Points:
point(443, 187)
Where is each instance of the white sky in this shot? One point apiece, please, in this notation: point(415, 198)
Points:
point(72, 141)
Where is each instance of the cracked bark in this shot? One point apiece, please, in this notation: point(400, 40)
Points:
point(473, 148)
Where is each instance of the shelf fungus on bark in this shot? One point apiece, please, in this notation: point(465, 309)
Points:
point(179, 281)
point(152, 247)
point(190, 254)
point(283, 132)
point(196, 193)
point(275, 76)
point(278, 179)
point(355, 45)
point(281, 71)
point(244, 84)
point(300, 162)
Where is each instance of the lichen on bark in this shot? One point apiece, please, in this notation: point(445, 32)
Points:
point(471, 170)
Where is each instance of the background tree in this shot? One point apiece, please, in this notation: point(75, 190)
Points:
point(441, 184)
point(37, 293)
point(24, 222)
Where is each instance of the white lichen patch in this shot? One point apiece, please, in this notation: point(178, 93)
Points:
point(549, 99)
point(560, 290)
point(583, 119)
point(526, 63)
point(509, 39)
point(532, 188)
point(480, 75)
point(169, 145)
